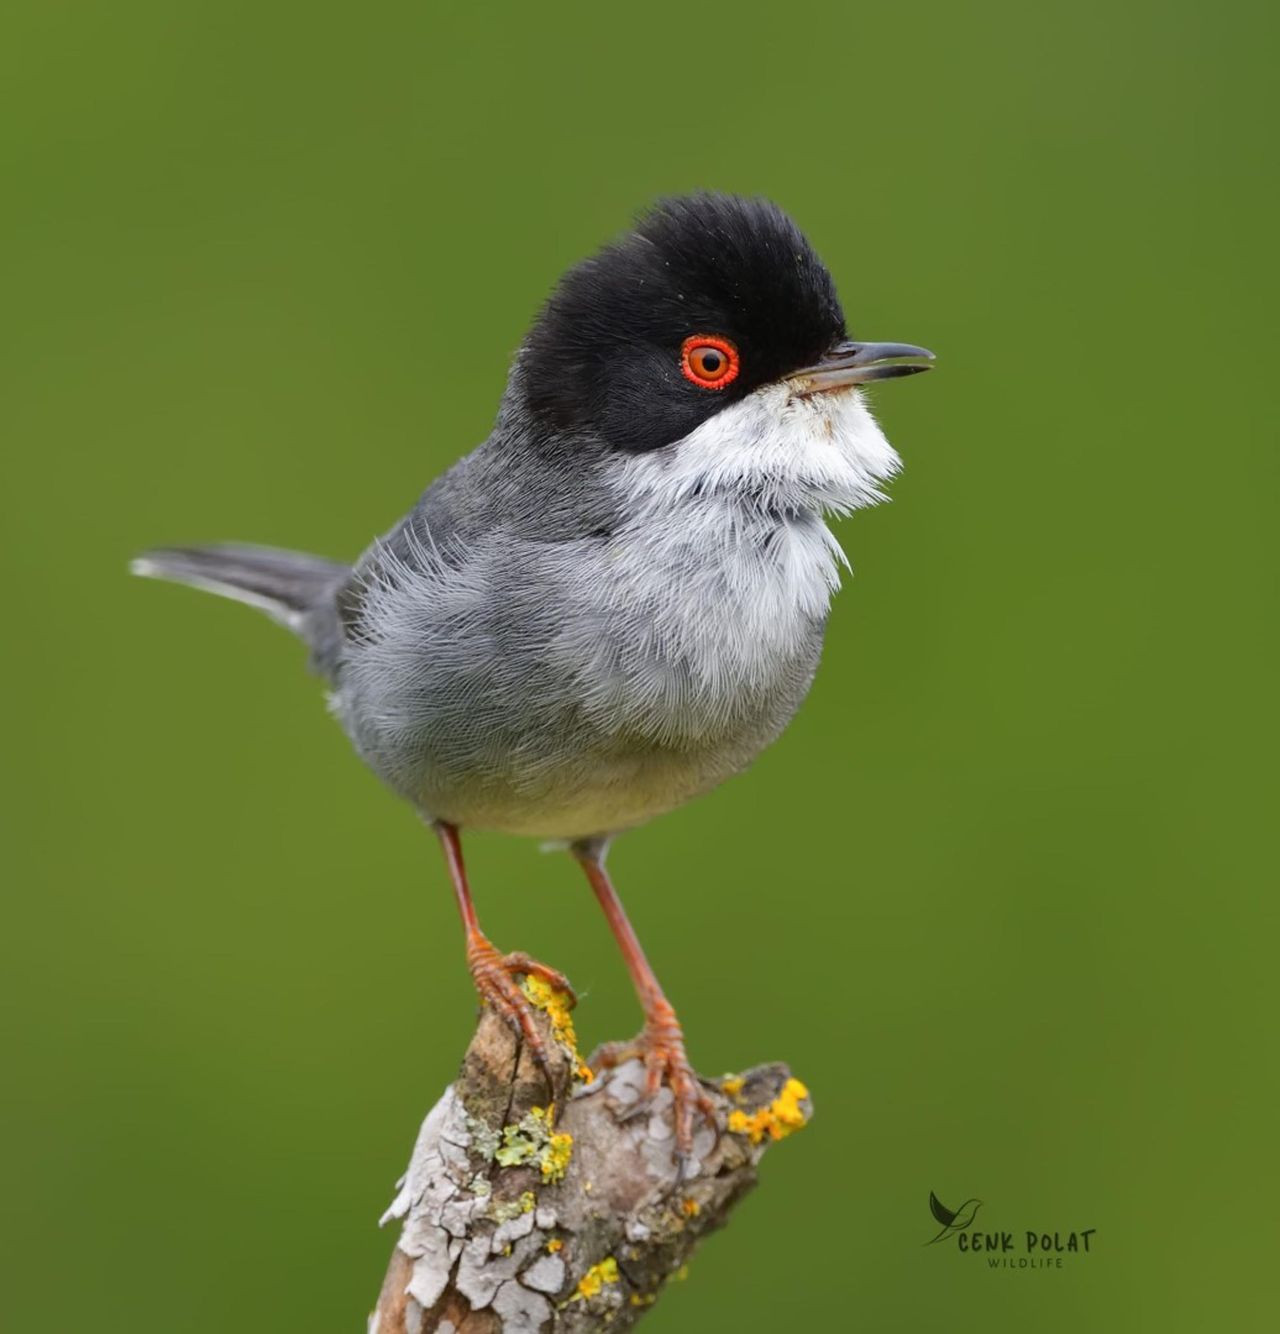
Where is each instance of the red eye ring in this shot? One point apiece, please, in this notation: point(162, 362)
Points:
point(709, 361)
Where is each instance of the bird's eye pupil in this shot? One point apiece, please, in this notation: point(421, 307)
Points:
point(709, 361)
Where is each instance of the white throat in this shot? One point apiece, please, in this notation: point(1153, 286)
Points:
point(727, 523)
point(772, 453)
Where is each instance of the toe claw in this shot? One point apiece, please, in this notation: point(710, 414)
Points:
point(518, 1019)
point(520, 962)
point(495, 977)
point(661, 1047)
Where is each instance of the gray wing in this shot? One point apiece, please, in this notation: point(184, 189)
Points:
point(503, 489)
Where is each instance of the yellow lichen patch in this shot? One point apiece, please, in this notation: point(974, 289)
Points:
point(732, 1085)
point(782, 1117)
point(590, 1284)
point(554, 1245)
point(555, 1160)
point(690, 1207)
point(528, 1202)
point(643, 1298)
point(556, 1004)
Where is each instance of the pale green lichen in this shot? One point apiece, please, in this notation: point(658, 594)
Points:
point(505, 1210)
point(531, 1142)
point(484, 1138)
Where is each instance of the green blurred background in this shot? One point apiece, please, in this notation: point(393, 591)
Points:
point(1003, 894)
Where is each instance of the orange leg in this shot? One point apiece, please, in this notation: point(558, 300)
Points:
point(661, 1044)
point(495, 973)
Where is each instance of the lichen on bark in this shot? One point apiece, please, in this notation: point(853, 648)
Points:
point(533, 1211)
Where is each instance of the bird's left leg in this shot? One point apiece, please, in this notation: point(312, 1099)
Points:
point(661, 1044)
point(493, 972)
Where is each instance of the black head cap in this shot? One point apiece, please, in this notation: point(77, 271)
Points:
point(605, 355)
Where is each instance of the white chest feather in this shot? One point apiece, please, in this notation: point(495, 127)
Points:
point(719, 581)
point(726, 527)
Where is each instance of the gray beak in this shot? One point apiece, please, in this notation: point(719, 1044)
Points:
point(860, 363)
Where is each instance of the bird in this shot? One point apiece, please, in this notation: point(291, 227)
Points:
point(617, 600)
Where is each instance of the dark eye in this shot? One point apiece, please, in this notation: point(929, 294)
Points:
point(710, 361)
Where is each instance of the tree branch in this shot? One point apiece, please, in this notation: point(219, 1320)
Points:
point(516, 1220)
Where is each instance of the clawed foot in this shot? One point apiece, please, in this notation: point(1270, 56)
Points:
point(661, 1048)
point(495, 977)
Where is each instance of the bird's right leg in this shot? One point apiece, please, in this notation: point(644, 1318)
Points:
point(661, 1044)
point(493, 972)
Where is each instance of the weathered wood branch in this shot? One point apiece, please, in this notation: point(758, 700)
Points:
point(519, 1221)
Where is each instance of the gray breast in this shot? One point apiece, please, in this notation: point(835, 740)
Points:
point(573, 687)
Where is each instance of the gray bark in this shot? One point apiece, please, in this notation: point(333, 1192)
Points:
point(491, 1242)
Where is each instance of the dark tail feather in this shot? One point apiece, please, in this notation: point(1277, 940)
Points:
point(288, 585)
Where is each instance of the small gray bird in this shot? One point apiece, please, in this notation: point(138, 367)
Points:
point(617, 600)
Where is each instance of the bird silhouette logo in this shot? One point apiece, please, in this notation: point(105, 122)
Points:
point(952, 1220)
